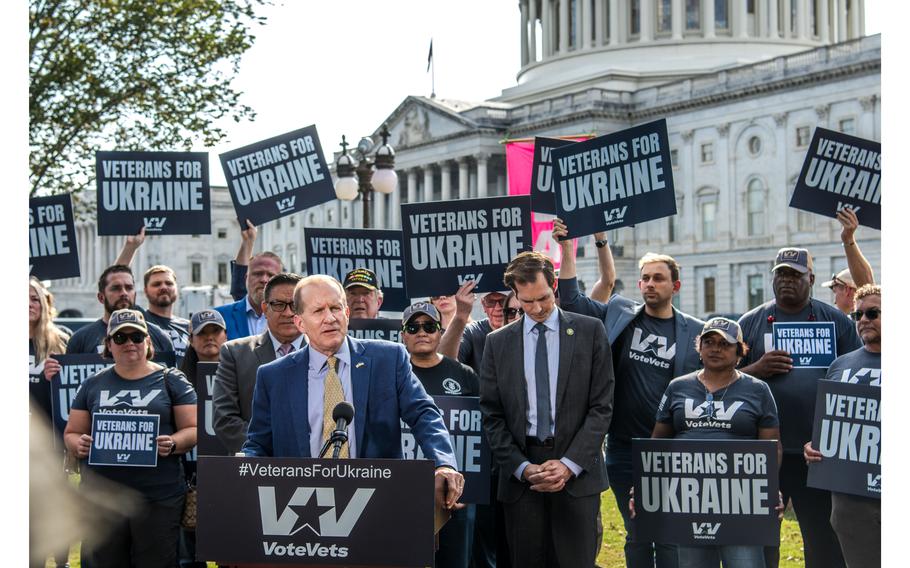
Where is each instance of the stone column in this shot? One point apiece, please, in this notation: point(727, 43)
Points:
point(614, 22)
point(546, 22)
point(463, 186)
point(867, 123)
point(532, 33)
point(482, 184)
point(563, 27)
point(855, 10)
point(412, 185)
point(707, 22)
point(646, 21)
point(788, 24)
point(841, 20)
point(378, 210)
point(802, 20)
point(428, 182)
point(584, 41)
point(599, 23)
point(761, 16)
point(445, 172)
point(773, 20)
point(821, 23)
point(678, 18)
point(395, 207)
point(739, 19)
point(523, 8)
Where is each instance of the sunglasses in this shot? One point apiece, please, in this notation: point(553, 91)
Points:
point(871, 314)
point(513, 312)
point(491, 303)
point(120, 337)
point(427, 327)
point(278, 306)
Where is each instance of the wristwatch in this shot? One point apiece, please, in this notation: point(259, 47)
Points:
point(601, 244)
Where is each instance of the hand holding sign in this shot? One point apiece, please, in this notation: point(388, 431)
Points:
point(775, 362)
point(810, 454)
point(83, 446)
point(849, 224)
point(464, 299)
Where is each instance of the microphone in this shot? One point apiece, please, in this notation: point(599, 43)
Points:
point(343, 414)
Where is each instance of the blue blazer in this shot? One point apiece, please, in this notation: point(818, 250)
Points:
point(620, 311)
point(385, 392)
point(235, 319)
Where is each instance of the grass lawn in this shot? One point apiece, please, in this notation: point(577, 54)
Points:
point(611, 555)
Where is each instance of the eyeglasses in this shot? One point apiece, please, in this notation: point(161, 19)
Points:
point(427, 327)
point(437, 298)
point(489, 302)
point(871, 314)
point(512, 312)
point(278, 306)
point(120, 337)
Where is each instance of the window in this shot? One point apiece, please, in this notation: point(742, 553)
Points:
point(196, 272)
point(195, 236)
point(293, 260)
point(292, 221)
point(222, 233)
point(278, 223)
point(721, 13)
point(222, 273)
point(847, 126)
point(693, 15)
point(707, 153)
point(674, 157)
point(709, 295)
point(755, 145)
point(802, 136)
point(330, 216)
point(755, 208)
point(664, 16)
point(708, 214)
point(635, 17)
point(671, 228)
point(756, 290)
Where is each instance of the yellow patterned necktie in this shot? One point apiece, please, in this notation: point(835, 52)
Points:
point(333, 393)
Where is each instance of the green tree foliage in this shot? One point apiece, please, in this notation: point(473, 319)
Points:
point(129, 75)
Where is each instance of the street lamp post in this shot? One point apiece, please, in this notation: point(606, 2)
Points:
point(372, 174)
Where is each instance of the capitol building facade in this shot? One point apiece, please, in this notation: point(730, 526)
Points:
point(742, 84)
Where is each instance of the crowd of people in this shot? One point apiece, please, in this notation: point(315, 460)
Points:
point(566, 381)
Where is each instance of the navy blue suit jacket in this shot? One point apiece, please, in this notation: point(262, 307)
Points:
point(385, 392)
point(235, 319)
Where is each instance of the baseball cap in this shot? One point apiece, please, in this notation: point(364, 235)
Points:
point(361, 277)
point(798, 259)
point(729, 329)
point(418, 308)
point(203, 318)
point(126, 318)
point(843, 277)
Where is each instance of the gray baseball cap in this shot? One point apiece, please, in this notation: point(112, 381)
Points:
point(203, 318)
point(727, 328)
point(418, 308)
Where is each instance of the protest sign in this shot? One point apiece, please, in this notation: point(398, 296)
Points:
point(124, 439)
point(165, 192)
point(543, 198)
point(472, 453)
point(52, 250)
point(335, 252)
point(847, 431)
point(841, 171)
point(447, 243)
point(207, 443)
point(812, 345)
point(706, 492)
point(616, 180)
point(388, 329)
point(277, 177)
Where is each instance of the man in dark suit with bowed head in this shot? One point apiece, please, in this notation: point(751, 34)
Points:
point(294, 396)
point(546, 395)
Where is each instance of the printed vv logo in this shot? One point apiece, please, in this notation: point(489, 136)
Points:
point(720, 411)
point(615, 215)
point(652, 350)
point(330, 523)
point(705, 531)
point(154, 223)
point(805, 360)
point(286, 204)
point(874, 482)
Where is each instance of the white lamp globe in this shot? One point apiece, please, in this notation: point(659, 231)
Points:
point(385, 180)
point(346, 188)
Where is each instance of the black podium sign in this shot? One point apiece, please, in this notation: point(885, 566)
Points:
point(309, 511)
point(207, 443)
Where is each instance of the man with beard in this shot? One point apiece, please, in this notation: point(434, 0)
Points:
point(116, 291)
point(794, 391)
point(161, 292)
point(245, 316)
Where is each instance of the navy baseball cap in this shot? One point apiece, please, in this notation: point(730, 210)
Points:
point(418, 308)
point(798, 259)
point(203, 318)
point(727, 328)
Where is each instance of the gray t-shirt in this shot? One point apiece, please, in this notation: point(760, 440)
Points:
point(470, 352)
point(795, 391)
point(90, 339)
point(735, 412)
point(643, 357)
point(861, 366)
point(177, 329)
point(108, 392)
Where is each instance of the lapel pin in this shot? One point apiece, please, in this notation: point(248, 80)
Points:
point(570, 331)
point(359, 365)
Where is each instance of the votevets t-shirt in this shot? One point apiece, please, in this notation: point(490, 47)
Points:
point(735, 413)
point(449, 377)
point(108, 392)
point(861, 366)
point(177, 329)
point(795, 391)
point(90, 339)
point(643, 357)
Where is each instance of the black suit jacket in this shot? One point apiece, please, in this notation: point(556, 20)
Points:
point(584, 402)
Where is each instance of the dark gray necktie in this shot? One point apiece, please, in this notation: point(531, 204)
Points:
point(542, 378)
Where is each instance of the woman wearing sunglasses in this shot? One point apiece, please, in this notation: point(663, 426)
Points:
point(513, 310)
point(135, 385)
point(713, 392)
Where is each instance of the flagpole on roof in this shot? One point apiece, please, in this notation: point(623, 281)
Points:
point(433, 67)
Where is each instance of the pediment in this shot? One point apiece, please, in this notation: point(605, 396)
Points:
point(419, 120)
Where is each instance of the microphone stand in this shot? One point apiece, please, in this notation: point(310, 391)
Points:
point(338, 438)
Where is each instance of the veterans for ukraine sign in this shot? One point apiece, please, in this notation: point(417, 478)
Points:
point(375, 328)
point(52, 251)
point(124, 439)
point(847, 431)
point(74, 369)
point(165, 192)
point(706, 492)
point(207, 443)
point(542, 196)
point(335, 252)
point(472, 453)
point(841, 171)
point(447, 243)
point(812, 345)
point(616, 180)
point(277, 177)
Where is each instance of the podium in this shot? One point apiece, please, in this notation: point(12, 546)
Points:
point(315, 512)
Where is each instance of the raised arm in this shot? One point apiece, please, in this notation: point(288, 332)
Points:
point(130, 246)
point(241, 262)
point(603, 288)
point(464, 303)
point(860, 269)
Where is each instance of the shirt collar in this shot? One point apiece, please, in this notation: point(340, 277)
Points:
point(249, 307)
point(552, 322)
point(276, 344)
point(317, 359)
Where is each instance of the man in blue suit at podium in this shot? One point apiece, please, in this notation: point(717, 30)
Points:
point(374, 376)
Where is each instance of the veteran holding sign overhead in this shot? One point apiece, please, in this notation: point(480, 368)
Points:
point(136, 386)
